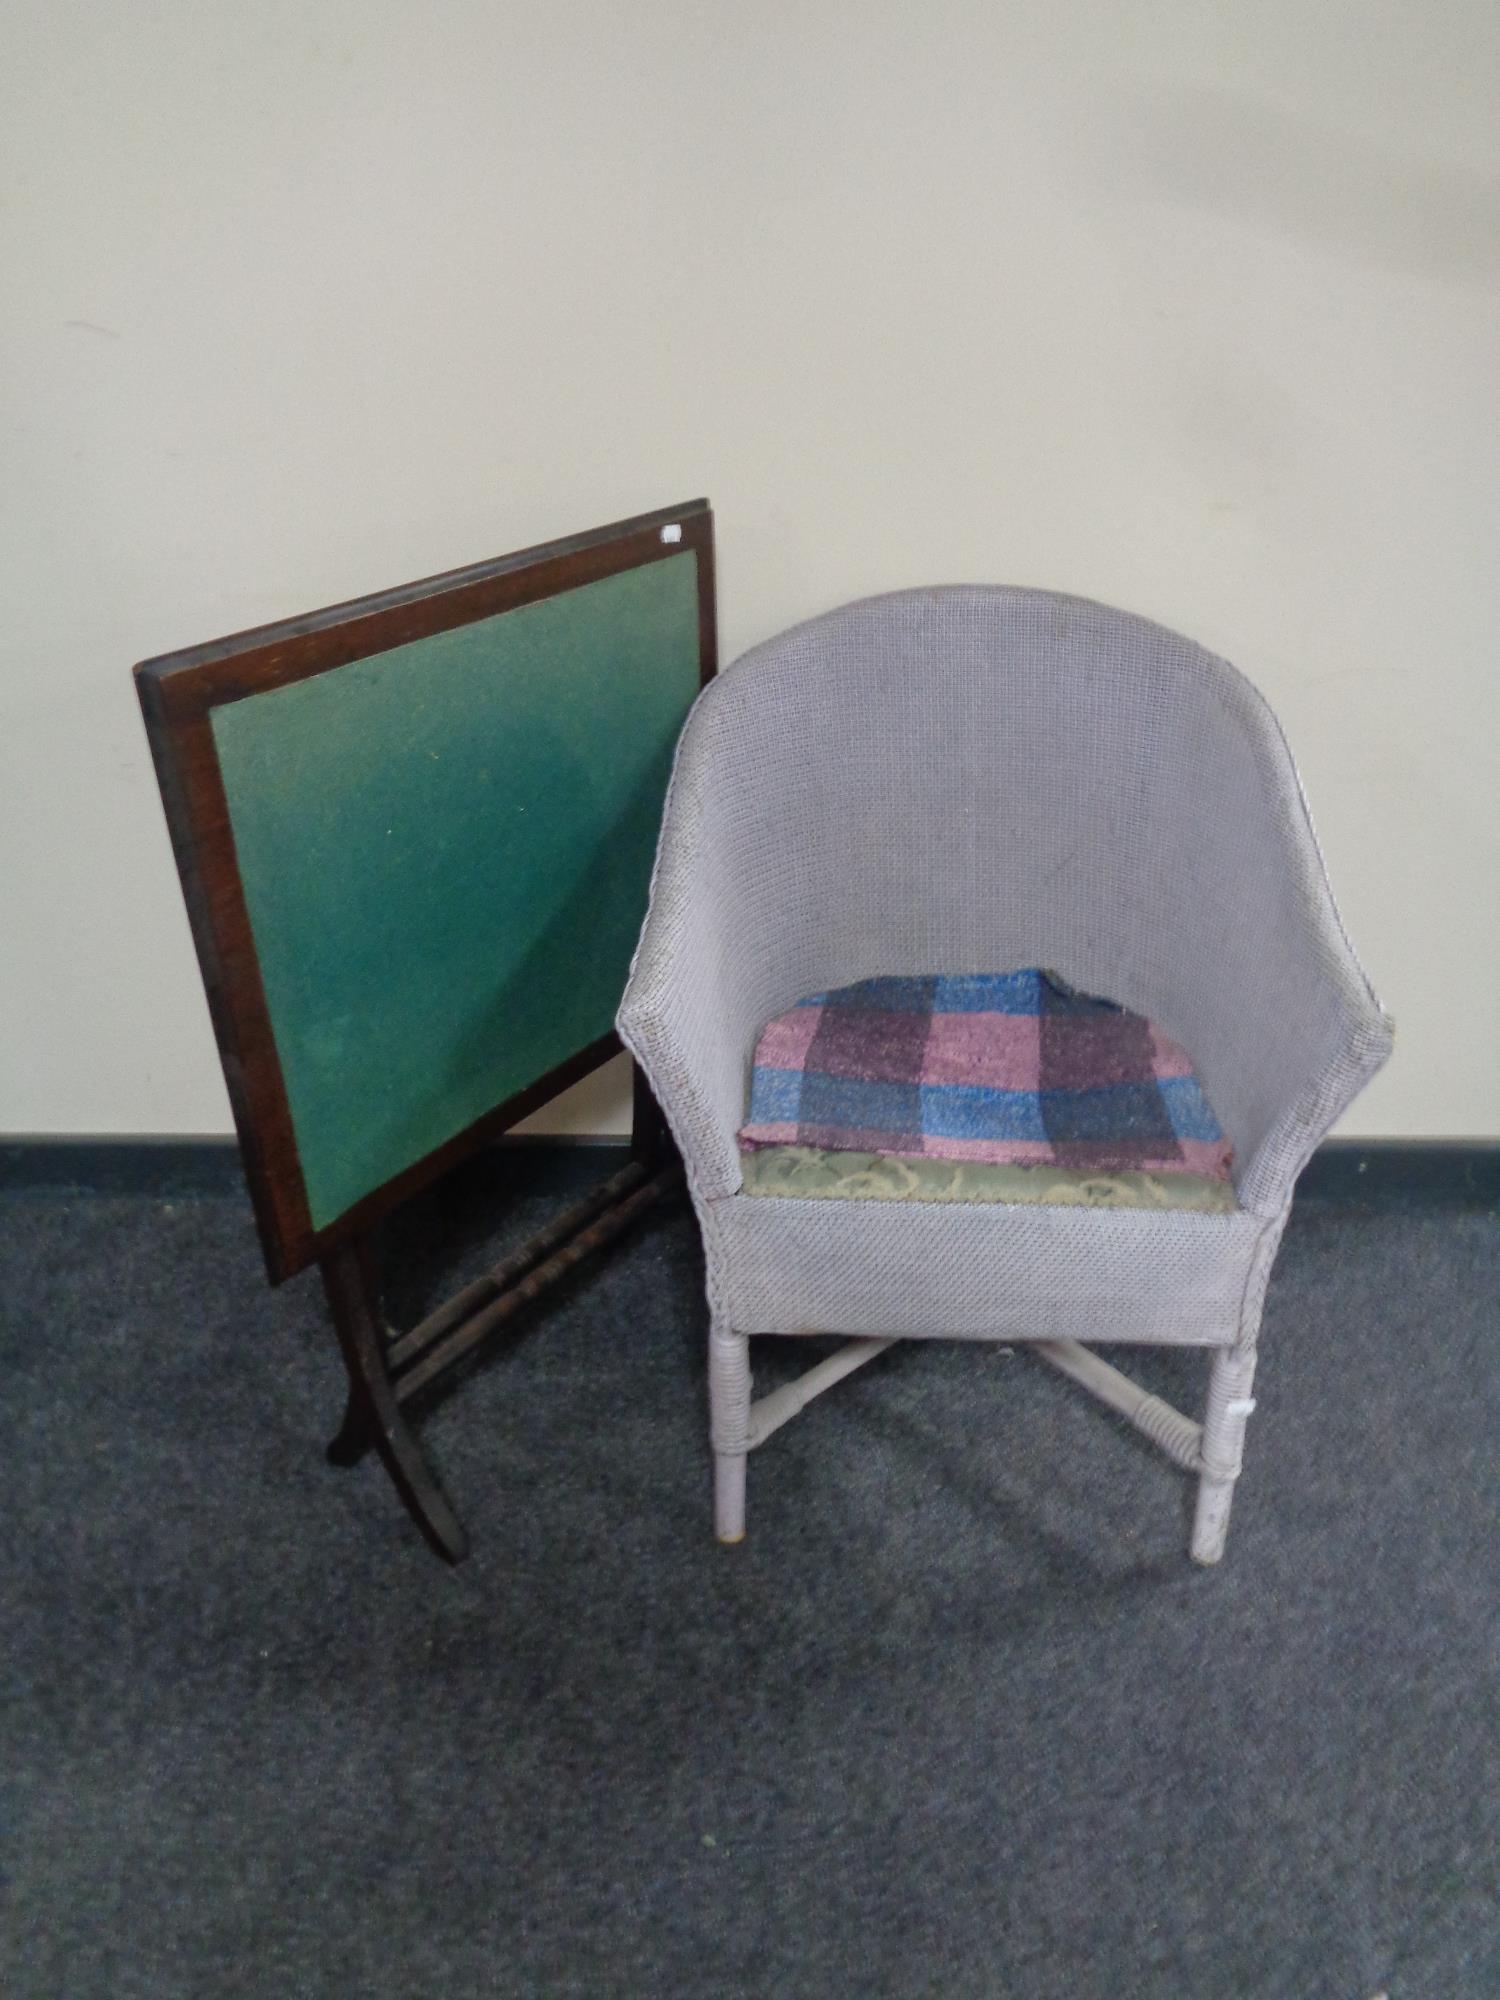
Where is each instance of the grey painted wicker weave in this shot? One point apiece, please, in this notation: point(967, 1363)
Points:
point(973, 779)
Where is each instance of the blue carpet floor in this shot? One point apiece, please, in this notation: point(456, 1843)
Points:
point(958, 1719)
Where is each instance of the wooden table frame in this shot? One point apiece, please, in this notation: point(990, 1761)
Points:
point(387, 1368)
point(178, 693)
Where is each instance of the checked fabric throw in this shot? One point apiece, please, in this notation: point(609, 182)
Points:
point(1012, 1068)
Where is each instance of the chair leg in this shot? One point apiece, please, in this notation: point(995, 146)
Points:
point(1229, 1407)
point(729, 1426)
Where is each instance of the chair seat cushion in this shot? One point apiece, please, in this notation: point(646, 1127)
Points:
point(1060, 1095)
point(822, 1173)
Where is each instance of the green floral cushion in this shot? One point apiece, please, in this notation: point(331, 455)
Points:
point(808, 1171)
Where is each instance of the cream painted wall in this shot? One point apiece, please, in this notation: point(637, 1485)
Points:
point(1194, 309)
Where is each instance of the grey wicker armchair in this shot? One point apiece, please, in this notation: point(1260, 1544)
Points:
point(969, 778)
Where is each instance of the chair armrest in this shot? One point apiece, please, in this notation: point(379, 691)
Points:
point(694, 1001)
point(1310, 1036)
point(1264, 987)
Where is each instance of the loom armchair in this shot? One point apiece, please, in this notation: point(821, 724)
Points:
point(973, 779)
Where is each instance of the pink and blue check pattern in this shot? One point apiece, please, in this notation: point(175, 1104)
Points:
point(1004, 1067)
